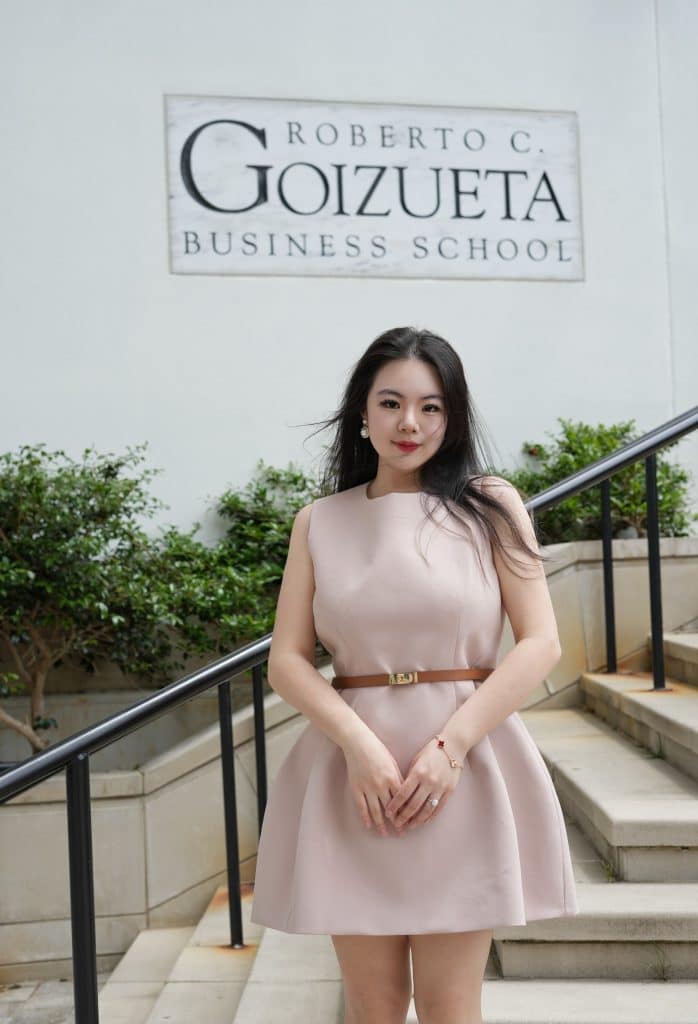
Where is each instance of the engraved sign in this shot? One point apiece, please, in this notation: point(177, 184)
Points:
point(304, 187)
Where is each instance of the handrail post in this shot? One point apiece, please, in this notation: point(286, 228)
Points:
point(230, 818)
point(653, 559)
point(608, 596)
point(82, 901)
point(260, 749)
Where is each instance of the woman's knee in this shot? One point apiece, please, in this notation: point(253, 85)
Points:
point(448, 973)
point(445, 1008)
point(388, 1007)
point(376, 977)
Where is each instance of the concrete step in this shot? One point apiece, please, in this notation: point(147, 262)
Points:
point(294, 978)
point(639, 931)
point(625, 930)
point(177, 975)
point(663, 721)
point(640, 813)
point(208, 977)
point(587, 1002)
point(133, 987)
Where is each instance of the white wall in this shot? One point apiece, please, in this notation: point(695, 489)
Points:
point(101, 345)
point(677, 44)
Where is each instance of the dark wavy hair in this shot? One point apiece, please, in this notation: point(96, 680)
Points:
point(452, 473)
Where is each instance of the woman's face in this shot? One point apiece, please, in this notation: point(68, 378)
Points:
point(406, 403)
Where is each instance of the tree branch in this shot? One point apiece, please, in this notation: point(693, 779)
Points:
point(24, 675)
point(40, 643)
point(37, 742)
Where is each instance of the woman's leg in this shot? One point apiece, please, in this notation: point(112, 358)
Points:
point(448, 971)
point(376, 976)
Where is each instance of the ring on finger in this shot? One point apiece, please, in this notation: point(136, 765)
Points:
point(404, 817)
point(418, 817)
point(431, 803)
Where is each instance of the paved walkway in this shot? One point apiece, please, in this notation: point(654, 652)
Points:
point(39, 1002)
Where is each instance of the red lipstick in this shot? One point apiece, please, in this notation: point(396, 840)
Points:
point(406, 446)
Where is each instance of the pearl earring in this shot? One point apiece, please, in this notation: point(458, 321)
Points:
point(364, 429)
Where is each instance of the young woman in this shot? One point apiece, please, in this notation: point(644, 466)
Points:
point(414, 813)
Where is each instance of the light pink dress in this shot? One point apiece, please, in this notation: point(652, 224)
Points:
point(395, 592)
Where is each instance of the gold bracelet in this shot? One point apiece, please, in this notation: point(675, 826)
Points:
point(442, 744)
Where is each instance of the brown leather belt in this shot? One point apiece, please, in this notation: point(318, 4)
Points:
point(437, 675)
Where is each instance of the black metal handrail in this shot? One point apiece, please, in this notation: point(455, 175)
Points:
point(73, 753)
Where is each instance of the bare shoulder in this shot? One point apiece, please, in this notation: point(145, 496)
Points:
point(303, 516)
point(509, 498)
point(503, 491)
point(495, 484)
point(298, 542)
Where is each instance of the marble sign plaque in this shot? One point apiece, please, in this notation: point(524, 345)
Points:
point(298, 187)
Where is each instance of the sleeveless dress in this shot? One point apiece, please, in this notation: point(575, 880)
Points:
point(395, 592)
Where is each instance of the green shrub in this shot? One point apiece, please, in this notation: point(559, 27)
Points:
point(76, 577)
point(80, 579)
point(579, 517)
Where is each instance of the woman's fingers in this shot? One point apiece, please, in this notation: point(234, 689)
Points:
point(412, 806)
point(371, 808)
point(376, 809)
point(427, 810)
point(400, 799)
point(418, 809)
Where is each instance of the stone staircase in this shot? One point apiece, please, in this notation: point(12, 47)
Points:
point(625, 767)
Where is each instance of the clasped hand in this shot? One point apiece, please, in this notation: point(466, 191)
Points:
point(381, 792)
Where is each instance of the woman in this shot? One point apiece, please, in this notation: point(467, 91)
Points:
point(414, 814)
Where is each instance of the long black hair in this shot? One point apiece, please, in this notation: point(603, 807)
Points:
point(453, 473)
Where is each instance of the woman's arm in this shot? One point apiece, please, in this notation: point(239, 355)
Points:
point(291, 668)
point(529, 608)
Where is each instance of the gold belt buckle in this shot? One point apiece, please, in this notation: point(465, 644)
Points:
point(403, 677)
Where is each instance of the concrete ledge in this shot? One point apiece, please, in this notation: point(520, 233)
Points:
point(103, 786)
point(681, 645)
point(27, 946)
point(681, 656)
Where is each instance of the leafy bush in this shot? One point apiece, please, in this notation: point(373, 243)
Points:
point(80, 579)
point(233, 587)
point(76, 576)
point(579, 517)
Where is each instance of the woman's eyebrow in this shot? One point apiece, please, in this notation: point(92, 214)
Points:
point(392, 391)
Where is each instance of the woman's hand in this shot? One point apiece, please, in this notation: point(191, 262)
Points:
point(374, 776)
point(429, 775)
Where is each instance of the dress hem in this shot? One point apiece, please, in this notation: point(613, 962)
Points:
point(557, 915)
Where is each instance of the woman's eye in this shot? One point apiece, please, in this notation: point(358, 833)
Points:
point(393, 401)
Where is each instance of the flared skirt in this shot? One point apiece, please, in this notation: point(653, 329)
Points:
point(495, 854)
